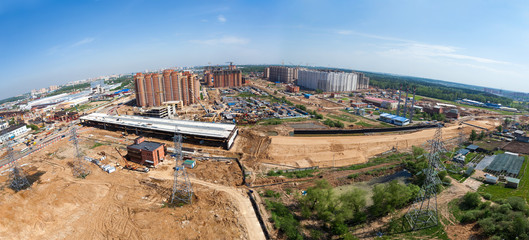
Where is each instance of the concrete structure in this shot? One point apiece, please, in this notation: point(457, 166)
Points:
point(281, 74)
point(153, 89)
point(65, 116)
point(145, 152)
point(215, 134)
point(12, 132)
point(227, 78)
point(266, 73)
point(328, 81)
point(208, 79)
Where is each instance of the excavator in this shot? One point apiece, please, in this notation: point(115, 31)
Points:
point(128, 166)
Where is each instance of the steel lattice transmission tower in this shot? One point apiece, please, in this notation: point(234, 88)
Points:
point(79, 169)
point(423, 212)
point(182, 190)
point(16, 175)
point(462, 138)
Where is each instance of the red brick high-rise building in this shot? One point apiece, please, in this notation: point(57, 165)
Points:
point(154, 89)
point(227, 78)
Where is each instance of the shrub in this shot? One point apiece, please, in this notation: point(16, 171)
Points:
point(471, 200)
point(468, 217)
point(487, 196)
point(353, 176)
point(272, 193)
point(517, 204)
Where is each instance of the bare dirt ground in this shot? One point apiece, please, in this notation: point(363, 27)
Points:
point(120, 205)
point(329, 151)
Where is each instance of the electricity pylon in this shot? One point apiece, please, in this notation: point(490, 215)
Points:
point(182, 190)
point(423, 212)
point(79, 168)
point(16, 175)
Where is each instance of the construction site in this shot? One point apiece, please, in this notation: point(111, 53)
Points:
point(206, 171)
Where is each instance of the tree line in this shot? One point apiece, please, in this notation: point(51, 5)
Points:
point(434, 90)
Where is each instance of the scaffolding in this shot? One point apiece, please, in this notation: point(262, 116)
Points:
point(182, 190)
point(79, 168)
point(17, 178)
point(423, 212)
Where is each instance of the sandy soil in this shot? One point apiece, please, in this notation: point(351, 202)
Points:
point(121, 205)
point(332, 151)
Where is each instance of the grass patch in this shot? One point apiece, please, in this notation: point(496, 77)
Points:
point(364, 124)
point(277, 121)
point(398, 228)
point(379, 160)
point(343, 117)
point(97, 144)
point(297, 174)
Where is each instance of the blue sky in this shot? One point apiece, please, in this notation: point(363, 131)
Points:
point(46, 42)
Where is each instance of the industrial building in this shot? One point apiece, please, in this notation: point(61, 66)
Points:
point(281, 74)
point(329, 81)
point(394, 119)
point(204, 133)
point(383, 103)
point(154, 89)
point(12, 132)
point(146, 152)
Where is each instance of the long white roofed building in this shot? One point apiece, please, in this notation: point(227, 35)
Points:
point(216, 134)
point(328, 81)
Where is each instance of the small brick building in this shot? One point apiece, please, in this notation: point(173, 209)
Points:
point(145, 152)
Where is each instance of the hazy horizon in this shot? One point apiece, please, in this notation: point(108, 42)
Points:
point(473, 42)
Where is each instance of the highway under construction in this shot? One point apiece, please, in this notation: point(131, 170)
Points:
point(204, 133)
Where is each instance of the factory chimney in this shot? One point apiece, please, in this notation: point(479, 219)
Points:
point(406, 102)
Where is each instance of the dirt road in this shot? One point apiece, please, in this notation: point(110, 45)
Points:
point(329, 151)
point(246, 211)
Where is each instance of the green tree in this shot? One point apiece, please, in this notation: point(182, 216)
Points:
point(482, 135)
point(499, 128)
point(352, 204)
point(388, 197)
point(473, 136)
point(318, 200)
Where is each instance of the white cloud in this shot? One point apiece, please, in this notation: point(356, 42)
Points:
point(221, 19)
point(413, 49)
point(83, 42)
point(226, 40)
point(344, 32)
